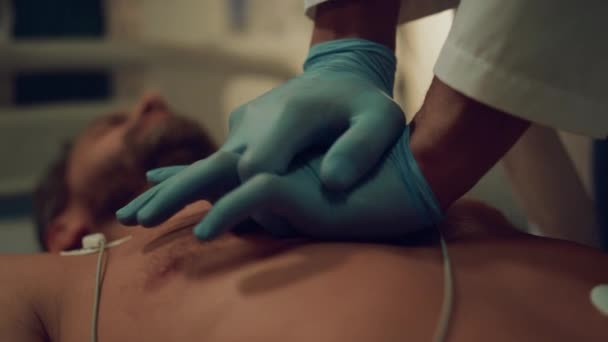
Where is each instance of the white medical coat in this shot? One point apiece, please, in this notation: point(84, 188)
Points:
point(542, 60)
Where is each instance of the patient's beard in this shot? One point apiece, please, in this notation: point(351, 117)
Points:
point(176, 141)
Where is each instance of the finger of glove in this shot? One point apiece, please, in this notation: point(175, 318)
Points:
point(160, 174)
point(259, 193)
point(235, 117)
point(291, 135)
point(359, 149)
point(206, 179)
point(127, 215)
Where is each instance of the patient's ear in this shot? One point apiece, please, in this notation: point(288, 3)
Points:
point(62, 235)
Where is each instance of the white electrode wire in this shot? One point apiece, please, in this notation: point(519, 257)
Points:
point(441, 332)
point(98, 281)
point(92, 244)
point(86, 251)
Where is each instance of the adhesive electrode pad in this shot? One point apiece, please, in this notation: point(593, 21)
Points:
point(599, 298)
point(93, 241)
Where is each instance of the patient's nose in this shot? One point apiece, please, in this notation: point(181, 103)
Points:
point(151, 105)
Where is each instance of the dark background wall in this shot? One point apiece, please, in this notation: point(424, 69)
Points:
point(59, 19)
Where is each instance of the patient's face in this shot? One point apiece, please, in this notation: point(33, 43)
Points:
point(109, 159)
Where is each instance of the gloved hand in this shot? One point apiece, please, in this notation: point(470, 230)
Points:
point(344, 94)
point(392, 201)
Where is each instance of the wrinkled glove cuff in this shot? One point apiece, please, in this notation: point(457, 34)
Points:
point(415, 183)
point(372, 61)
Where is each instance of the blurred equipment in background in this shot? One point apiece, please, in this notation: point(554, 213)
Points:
point(59, 19)
point(6, 20)
point(238, 14)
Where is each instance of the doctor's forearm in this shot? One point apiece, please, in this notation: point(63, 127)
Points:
point(371, 20)
point(456, 140)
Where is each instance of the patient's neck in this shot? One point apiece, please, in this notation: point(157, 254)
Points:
point(113, 230)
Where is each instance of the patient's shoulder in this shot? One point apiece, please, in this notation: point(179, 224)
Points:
point(30, 295)
point(31, 266)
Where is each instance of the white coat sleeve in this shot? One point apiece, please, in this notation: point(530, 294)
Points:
point(542, 60)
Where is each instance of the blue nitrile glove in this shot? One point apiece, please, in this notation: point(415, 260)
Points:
point(392, 201)
point(342, 99)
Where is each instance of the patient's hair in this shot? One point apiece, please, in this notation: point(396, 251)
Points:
point(52, 194)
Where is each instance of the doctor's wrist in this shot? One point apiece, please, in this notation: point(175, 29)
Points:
point(455, 140)
point(372, 20)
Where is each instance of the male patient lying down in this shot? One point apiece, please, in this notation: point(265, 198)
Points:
point(164, 285)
